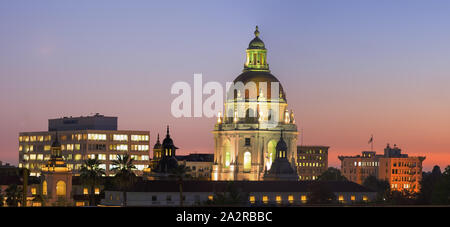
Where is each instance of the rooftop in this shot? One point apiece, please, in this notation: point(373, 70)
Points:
point(245, 186)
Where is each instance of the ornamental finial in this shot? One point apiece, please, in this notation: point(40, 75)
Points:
point(256, 31)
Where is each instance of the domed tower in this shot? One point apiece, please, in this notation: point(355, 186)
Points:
point(167, 160)
point(281, 169)
point(255, 111)
point(57, 177)
point(157, 153)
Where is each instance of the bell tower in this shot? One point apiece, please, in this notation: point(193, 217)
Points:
point(56, 179)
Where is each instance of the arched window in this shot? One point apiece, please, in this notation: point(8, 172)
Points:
point(247, 161)
point(227, 159)
point(272, 151)
point(250, 113)
point(44, 187)
point(61, 188)
point(227, 150)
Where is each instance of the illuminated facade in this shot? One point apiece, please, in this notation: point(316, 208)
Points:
point(246, 135)
point(56, 179)
point(81, 144)
point(401, 171)
point(312, 161)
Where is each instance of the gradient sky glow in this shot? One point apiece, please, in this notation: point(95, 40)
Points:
point(349, 68)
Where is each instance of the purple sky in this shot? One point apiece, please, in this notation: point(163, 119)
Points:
point(349, 68)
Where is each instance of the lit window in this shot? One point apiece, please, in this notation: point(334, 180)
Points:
point(119, 147)
point(96, 136)
point(252, 199)
point(247, 161)
point(365, 198)
point(352, 198)
point(341, 198)
point(33, 191)
point(79, 204)
point(291, 199)
point(44, 188)
point(85, 191)
point(120, 137)
point(102, 157)
point(303, 198)
point(139, 137)
point(227, 159)
point(210, 197)
point(97, 191)
point(265, 199)
point(61, 188)
point(46, 147)
point(278, 199)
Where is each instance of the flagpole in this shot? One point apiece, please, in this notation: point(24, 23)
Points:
point(371, 144)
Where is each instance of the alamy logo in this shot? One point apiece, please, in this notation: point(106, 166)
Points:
point(244, 103)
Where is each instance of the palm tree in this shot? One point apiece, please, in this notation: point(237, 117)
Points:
point(91, 175)
point(14, 195)
point(124, 167)
point(179, 173)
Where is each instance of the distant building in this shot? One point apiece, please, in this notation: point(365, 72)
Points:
point(200, 165)
point(166, 160)
point(256, 193)
point(82, 138)
point(401, 171)
point(312, 161)
point(95, 122)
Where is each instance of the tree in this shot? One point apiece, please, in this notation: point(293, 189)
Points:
point(331, 174)
point(123, 167)
point(91, 176)
point(180, 172)
point(14, 195)
point(320, 193)
point(404, 197)
point(441, 192)
point(231, 196)
point(382, 187)
point(2, 198)
point(427, 185)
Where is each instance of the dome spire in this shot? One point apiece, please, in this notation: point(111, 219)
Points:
point(256, 31)
point(167, 131)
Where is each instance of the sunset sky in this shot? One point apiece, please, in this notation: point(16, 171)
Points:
point(349, 68)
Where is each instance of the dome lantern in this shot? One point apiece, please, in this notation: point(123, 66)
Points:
point(256, 55)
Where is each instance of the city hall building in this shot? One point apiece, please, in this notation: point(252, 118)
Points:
point(82, 138)
point(246, 136)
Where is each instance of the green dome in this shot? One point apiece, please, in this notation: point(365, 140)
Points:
point(256, 43)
